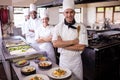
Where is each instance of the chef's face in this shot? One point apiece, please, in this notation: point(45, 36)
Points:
point(45, 21)
point(33, 14)
point(69, 15)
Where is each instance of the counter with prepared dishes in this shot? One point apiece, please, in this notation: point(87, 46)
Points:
point(16, 47)
point(40, 69)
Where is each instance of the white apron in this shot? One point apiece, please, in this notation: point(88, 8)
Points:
point(69, 60)
point(30, 37)
point(48, 47)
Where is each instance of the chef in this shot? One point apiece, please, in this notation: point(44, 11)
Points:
point(27, 17)
point(70, 38)
point(32, 24)
point(43, 36)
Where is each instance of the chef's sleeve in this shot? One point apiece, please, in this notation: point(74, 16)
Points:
point(55, 33)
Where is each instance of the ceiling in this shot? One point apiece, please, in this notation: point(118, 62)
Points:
point(50, 3)
point(26, 3)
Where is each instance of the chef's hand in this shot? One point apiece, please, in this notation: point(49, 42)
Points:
point(46, 39)
point(59, 38)
point(49, 38)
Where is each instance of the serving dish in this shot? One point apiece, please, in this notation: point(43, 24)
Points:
point(28, 70)
point(40, 58)
point(59, 73)
point(22, 63)
point(22, 49)
point(45, 64)
point(37, 77)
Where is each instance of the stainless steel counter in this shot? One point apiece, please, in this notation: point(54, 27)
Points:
point(32, 63)
point(8, 56)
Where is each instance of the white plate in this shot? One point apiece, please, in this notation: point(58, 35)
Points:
point(41, 75)
point(67, 74)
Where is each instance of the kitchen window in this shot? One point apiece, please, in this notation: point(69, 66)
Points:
point(110, 13)
point(100, 15)
point(116, 14)
point(39, 11)
point(18, 17)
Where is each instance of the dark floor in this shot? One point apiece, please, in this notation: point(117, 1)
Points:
point(2, 73)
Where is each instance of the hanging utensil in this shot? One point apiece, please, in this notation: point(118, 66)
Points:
point(78, 30)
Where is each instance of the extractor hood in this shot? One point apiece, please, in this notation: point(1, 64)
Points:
point(42, 3)
point(48, 3)
point(52, 3)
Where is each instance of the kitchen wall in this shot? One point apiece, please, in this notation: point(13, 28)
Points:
point(91, 10)
point(23, 3)
point(53, 15)
point(4, 2)
point(88, 12)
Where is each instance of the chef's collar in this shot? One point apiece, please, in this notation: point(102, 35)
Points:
point(70, 25)
point(33, 19)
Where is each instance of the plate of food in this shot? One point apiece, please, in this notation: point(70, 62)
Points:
point(22, 63)
point(59, 73)
point(28, 70)
point(37, 77)
point(41, 58)
point(45, 64)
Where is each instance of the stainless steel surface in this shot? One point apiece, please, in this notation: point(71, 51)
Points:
point(30, 55)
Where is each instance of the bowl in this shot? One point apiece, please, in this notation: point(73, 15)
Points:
point(40, 58)
point(45, 64)
point(28, 70)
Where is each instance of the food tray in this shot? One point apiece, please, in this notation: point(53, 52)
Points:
point(22, 49)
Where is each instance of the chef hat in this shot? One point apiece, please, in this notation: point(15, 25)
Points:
point(32, 7)
point(68, 4)
point(44, 14)
point(26, 11)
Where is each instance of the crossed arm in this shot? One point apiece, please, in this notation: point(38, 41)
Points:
point(44, 39)
point(69, 44)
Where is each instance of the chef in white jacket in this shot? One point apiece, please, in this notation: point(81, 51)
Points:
point(43, 36)
point(71, 39)
point(32, 24)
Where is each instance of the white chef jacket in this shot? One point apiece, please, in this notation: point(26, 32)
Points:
point(46, 46)
point(68, 58)
point(23, 28)
point(32, 24)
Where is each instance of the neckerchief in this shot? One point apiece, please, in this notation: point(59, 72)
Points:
point(70, 25)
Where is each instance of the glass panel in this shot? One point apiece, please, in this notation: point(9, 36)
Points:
point(18, 20)
point(109, 13)
point(116, 18)
point(117, 8)
point(40, 11)
point(77, 17)
point(100, 9)
point(100, 17)
point(77, 10)
point(18, 10)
